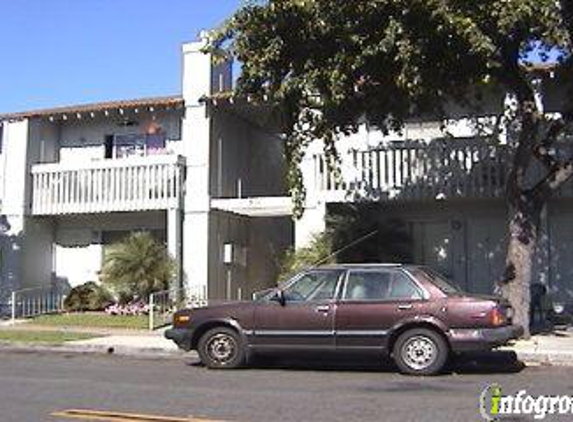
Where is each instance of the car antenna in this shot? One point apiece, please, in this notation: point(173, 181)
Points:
point(350, 245)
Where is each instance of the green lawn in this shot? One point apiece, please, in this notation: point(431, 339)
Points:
point(93, 320)
point(48, 337)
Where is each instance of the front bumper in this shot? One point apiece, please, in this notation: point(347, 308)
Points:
point(469, 339)
point(182, 337)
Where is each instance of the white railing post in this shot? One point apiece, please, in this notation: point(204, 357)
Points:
point(151, 312)
point(13, 314)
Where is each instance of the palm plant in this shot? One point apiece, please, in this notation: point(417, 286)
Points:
point(137, 266)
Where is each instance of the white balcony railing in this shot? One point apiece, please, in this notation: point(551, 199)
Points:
point(130, 184)
point(416, 171)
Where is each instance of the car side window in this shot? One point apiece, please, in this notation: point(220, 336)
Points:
point(313, 286)
point(385, 284)
point(404, 288)
point(367, 285)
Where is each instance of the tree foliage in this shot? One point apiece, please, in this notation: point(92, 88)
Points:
point(137, 266)
point(332, 64)
point(318, 250)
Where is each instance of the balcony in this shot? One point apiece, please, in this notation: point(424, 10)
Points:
point(415, 171)
point(130, 184)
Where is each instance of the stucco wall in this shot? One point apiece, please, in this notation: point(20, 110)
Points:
point(246, 161)
point(83, 139)
point(79, 242)
point(37, 250)
point(264, 241)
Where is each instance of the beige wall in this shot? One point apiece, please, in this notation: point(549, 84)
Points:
point(83, 139)
point(264, 239)
point(79, 241)
point(245, 160)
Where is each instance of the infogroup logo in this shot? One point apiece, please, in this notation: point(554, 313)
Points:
point(495, 406)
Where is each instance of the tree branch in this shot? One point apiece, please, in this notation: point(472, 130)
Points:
point(558, 175)
point(541, 150)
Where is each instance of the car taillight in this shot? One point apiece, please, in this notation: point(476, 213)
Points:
point(497, 317)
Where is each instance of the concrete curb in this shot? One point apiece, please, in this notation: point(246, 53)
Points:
point(529, 358)
point(119, 350)
point(545, 358)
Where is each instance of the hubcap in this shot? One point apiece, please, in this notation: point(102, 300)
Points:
point(419, 352)
point(221, 348)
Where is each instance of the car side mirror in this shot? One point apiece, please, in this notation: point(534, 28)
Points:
point(279, 297)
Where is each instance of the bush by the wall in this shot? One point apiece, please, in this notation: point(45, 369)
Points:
point(88, 297)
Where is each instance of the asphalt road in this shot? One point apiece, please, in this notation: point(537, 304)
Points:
point(33, 386)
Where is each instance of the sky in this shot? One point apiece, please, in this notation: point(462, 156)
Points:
point(64, 52)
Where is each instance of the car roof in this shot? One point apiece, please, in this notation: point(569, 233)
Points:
point(366, 266)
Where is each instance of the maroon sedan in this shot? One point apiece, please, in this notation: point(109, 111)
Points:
point(408, 312)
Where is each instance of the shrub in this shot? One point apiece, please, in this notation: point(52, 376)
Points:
point(137, 266)
point(318, 251)
point(87, 297)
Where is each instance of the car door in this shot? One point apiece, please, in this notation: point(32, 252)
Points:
point(372, 301)
point(305, 319)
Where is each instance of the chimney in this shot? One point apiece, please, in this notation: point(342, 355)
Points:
point(203, 74)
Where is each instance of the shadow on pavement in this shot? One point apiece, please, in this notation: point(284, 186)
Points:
point(493, 362)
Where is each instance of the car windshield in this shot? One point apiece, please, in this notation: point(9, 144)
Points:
point(447, 286)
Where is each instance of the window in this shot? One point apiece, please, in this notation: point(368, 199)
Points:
point(380, 285)
point(445, 285)
point(138, 144)
point(108, 146)
point(404, 288)
point(313, 286)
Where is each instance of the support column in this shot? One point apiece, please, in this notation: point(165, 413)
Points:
point(14, 206)
point(174, 243)
point(313, 222)
point(201, 78)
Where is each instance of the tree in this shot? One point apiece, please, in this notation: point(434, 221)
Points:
point(138, 266)
point(331, 63)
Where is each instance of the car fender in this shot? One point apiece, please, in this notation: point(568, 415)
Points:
point(207, 324)
point(418, 320)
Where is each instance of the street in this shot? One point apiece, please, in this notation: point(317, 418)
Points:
point(34, 386)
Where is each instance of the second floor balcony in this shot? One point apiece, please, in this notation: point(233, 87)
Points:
point(410, 171)
point(114, 185)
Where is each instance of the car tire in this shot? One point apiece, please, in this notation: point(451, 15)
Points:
point(420, 351)
point(221, 348)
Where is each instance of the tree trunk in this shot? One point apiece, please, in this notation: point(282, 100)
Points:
point(523, 227)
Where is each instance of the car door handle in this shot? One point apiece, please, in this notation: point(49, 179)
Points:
point(322, 308)
point(405, 307)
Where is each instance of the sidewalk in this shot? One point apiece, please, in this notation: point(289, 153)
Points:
point(123, 342)
point(554, 348)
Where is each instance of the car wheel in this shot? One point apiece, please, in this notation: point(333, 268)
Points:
point(420, 351)
point(221, 347)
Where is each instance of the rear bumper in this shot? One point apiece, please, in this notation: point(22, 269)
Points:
point(468, 339)
point(181, 337)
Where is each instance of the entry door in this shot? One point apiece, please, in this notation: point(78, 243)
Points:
point(486, 253)
point(306, 320)
point(433, 246)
